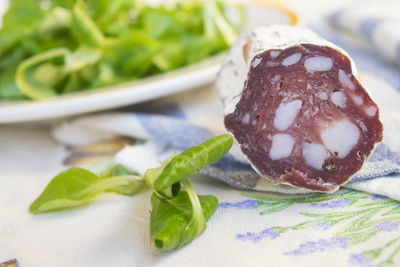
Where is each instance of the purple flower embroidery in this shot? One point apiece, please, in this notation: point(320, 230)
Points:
point(359, 260)
point(377, 197)
point(321, 226)
point(388, 226)
point(320, 245)
point(255, 237)
point(246, 204)
point(334, 204)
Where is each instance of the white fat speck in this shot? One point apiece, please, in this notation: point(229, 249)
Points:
point(274, 54)
point(282, 145)
point(371, 111)
point(357, 99)
point(286, 113)
point(246, 118)
point(290, 60)
point(339, 99)
point(272, 64)
point(318, 63)
point(340, 137)
point(308, 86)
point(315, 155)
point(322, 95)
point(256, 62)
point(275, 78)
point(254, 122)
point(363, 126)
point(264, 126)
point(345, 80)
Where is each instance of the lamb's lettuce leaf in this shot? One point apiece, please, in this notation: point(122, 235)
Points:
point(113, 41)
point(177, 216)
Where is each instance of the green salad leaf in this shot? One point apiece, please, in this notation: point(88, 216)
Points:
point(177, 216)
point(19, 22)
point(54, 47)
point(191, 161)
point(134, 185)
point(83, 28)
point(34, 89)
point(171, 222)
point(76, 187)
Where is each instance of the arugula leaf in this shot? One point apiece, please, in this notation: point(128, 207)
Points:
point(171, 224)
point(191, 161)
point(76, 187)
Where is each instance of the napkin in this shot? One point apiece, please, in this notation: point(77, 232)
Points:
point(376, 22)
point(179, 123)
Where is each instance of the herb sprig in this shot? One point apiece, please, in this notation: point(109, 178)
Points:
point(177, 216)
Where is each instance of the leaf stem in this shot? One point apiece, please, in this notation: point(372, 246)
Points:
point(109, 183)
point(198, 219)
point(21, 78)
point(227, 31)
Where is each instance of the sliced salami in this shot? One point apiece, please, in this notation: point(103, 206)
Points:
point(295, 105)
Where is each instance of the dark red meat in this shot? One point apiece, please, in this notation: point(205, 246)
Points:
point(270, 83)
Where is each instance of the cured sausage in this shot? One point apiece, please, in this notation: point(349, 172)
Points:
point(294, 103)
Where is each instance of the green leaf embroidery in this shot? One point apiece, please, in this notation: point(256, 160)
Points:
point(365, 220)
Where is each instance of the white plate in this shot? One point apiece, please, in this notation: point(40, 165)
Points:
point(134, 92)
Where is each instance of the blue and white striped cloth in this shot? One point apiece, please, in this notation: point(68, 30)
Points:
point(172, 130)
point(377, 22)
